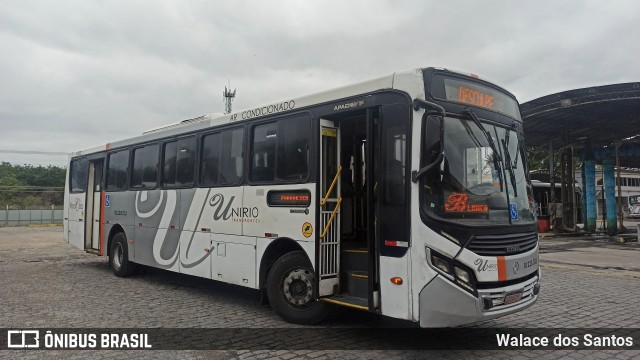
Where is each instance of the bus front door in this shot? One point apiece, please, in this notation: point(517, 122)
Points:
point(328, 264)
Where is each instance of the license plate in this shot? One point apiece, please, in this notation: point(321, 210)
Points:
point(512, 297)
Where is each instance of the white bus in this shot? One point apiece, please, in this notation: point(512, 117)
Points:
point(406, 196)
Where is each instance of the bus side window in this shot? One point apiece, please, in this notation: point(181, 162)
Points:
point(79, 169)
point(178, 162)
point(231, 166)
point(280, 150)
point(293, 149)
point(263, 152)
point(210, 159)
point(145, 167)
point(169, 164)
point(117, 169)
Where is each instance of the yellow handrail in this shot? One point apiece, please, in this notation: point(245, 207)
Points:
point(333, 214)
point(335, 180)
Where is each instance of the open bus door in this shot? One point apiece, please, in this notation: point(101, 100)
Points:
point(328, 267)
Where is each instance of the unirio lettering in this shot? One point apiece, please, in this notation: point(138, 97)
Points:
point(218, 200)
point(227, 211)
point(483, 265)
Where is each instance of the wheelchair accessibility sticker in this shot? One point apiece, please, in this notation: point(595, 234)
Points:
point(307, 229)
point(513, 211)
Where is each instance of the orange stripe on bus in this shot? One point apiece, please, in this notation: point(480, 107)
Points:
point(104, 196)
point(502, 269)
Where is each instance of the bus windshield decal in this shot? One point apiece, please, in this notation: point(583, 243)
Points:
point(459, 202)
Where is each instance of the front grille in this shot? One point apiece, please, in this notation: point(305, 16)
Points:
point(503, 245)
point(497, 297)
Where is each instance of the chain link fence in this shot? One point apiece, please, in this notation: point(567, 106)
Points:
point(21, 217)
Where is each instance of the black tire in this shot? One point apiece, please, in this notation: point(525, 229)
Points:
point(119, 257)
point(291, 291)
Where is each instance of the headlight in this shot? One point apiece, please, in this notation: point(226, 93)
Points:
point(463, 278)
point(440, 263)
point(453, 270)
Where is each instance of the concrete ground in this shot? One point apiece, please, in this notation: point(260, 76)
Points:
point(45, 282)
point(598, 254)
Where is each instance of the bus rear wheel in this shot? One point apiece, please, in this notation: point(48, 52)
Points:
point(290, 287)
point(119, 257)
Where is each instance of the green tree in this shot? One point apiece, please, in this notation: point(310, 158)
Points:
point(9, 186)
point(27, 185)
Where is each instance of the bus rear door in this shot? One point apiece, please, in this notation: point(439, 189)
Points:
point(93, 224)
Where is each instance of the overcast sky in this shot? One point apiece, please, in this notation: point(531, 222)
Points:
point(74, 74)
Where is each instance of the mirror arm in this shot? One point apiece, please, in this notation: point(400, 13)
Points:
point(417, 174)
point(427, 105)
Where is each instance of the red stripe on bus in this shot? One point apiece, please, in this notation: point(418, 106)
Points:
point(502, 269)
point(104, 194)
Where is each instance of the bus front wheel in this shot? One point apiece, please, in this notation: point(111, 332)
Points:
point(119, 257)
point(290, 288)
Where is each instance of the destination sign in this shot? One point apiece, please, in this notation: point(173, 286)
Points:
point(289, 198)
point(475, 94)
point(473, 97)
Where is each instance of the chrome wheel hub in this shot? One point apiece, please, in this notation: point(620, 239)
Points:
point(298, 287)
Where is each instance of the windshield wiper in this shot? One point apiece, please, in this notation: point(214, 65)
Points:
point(496, 154)
point(508, 164)
point(506, 139)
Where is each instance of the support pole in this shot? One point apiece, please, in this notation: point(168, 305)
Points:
point(604, 213)
point(563, 187)
point(572, 188)
point(610, 195)
point(590, 190)
point(620, 215)
point(552, 191)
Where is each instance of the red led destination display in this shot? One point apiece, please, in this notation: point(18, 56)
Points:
point(289, 198)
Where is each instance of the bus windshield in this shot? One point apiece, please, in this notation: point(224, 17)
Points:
point(481, 178)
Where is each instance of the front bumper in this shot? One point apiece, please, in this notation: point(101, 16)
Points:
point(444, 304)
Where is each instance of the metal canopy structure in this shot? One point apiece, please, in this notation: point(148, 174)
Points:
point(601, 116)
point(600, 123)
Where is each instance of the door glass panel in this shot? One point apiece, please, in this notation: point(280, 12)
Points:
point(391, 171)
point(329, 159)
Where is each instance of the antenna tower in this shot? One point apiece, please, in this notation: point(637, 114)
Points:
point(228, 98)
